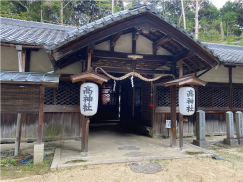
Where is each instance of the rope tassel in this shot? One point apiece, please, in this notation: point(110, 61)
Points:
point(132, 81)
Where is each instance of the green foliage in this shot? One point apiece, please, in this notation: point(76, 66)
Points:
point(8, 161)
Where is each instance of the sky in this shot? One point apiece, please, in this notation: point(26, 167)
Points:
point(219, 3)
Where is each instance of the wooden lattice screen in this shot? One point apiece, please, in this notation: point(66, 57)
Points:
point(163, 96)
point(208, 97)
point(238, 98)
point(213, 97)
point(68, 93)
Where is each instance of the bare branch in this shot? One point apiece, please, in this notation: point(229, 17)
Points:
point(24, 6)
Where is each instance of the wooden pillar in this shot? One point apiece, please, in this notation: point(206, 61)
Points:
point(180, 115)
point(173, 115)
point(83, 133)
point(41, 114)
point(230, 89)
point(89, 61)
point(21, 64)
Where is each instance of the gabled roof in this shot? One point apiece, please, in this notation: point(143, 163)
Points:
point(52, 36)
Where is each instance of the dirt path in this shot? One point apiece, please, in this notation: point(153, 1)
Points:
point(189, 169)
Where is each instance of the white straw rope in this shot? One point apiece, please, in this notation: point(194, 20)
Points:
point(133, 74)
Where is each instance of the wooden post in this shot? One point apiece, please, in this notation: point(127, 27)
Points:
point(21, 64)
point(230, 89)
point(16, 150)
point(41, 113)
point(83, 133)
point(86, 136)
point(89, 61)
point(173, 115)
point(180, 115)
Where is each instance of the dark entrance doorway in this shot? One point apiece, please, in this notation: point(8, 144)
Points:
point(122, 105)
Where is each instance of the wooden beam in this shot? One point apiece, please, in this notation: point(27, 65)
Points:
point(134, 43)
point(124, 56)
point(181, 38)
point(114, 39)
point(23, 46)
point(41, 114)
point(204, 72)
point(188, 66)
point(183, 55)
point(180, 115)
point(136, 33)
point(124, 70)
point(230, 89)
point(173, 116)
point(97, 35)
point(53, 62)
point(160, 42)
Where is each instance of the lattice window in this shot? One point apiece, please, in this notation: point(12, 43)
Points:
point(205, 96)
point(163, 96)
point(49, 96)
point(238, 98)
point(68, 93)
point(213, 97)
point(220, 97)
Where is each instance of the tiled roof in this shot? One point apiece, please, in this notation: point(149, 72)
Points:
point(33, 33)
point(29, 77)
point(227, 53)
point(53, 36)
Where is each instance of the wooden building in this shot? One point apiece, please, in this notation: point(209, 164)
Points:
point(136, 40)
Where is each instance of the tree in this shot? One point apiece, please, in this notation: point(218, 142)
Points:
point(228, 14)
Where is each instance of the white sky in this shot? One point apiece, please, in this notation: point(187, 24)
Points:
point(219, 3)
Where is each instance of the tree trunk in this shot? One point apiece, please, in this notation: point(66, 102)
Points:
point(41, 16)
point(196, 20)
point(227, 29)
point(61, 13)
point(221, 30)
point(112, 4)
point(183, 14)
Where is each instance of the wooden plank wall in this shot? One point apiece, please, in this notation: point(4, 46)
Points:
point(19, 99)
point(61, 125)
point(215, 124)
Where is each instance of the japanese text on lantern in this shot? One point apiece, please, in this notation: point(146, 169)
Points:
point(87, 98)
point(190, 101)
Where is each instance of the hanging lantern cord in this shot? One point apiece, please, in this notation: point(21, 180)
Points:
point(133, 74)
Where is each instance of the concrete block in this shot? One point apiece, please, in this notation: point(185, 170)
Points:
point(56, 159)
point(39, 148)
point(38, 158)
point(84, 154)
point(240, 141)
point(231, 142)
point(201, 143)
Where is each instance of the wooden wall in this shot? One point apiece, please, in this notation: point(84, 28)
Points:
point(57, 125)
point(215, 124)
